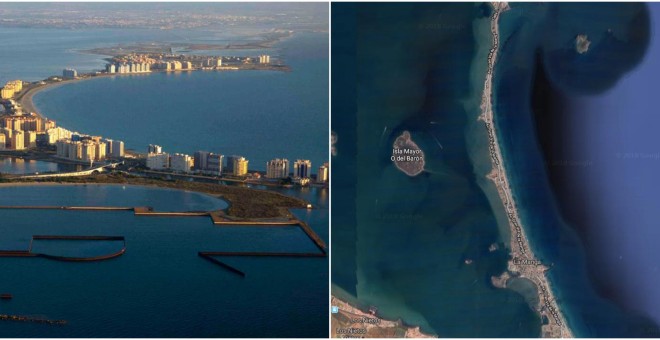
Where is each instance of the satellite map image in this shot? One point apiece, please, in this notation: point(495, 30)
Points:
point(495, 170)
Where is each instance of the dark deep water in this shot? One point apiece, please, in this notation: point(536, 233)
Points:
point(542, 139)
point(602, 165)
point(159, 287)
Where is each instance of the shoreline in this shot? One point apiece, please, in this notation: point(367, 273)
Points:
point(522, 263)
point(25, 99)
point(411, 331)
point(244, 204)
point(38, 184)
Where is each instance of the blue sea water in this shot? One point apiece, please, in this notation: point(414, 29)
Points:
point(159, 287)
point(588, 313)
point(615, 142)
point(407, 238)
point(11, 165)
point(258, 114)
point(33, 54)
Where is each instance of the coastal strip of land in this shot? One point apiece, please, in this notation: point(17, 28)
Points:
point(245, 204)
point(351, 322)
point(25, 98)
point(523, 263)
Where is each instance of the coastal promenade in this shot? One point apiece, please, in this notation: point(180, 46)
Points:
point(523, 263)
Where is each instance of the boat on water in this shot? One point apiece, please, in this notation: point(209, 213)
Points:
point(5, 296)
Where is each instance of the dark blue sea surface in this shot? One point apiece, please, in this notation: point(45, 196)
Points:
point(258, 114)
point(159, 287)
point(619, 145)
point(618, 44)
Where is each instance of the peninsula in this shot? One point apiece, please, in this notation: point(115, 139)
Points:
point(245, 204)
point(522, 263)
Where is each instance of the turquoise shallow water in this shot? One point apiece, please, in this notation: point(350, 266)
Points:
point(159, 287)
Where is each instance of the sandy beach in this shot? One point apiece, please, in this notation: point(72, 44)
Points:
point(522, 262)
point(26, 99)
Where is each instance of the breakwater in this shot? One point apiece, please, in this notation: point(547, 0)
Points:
point(217, 218)
point(30, 253)
point(20, 318)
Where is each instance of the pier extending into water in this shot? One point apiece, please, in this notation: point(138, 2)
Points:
point(20, 318)
point(208, 255)
point(217, 217)
point(30, 253)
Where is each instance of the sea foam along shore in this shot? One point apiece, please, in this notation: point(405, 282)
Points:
point(523, 262)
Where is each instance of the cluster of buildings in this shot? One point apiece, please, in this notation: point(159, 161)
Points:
point(88, 148)
point(11, 88)
point(209, 163)
point(139, 63)
point(159, 160)
point(203, 162)
point(128, 68)
point(173, 65)
point(279, 169)
point(264, 59)
point(20, 132)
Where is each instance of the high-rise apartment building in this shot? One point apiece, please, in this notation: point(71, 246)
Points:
point(323, 175)
point(69, 73)
point(181, 162)
point(277, 168)
point(240, 166)
point(158, 161)
point(302, 168)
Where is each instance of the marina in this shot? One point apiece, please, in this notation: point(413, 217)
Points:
point(159, 250)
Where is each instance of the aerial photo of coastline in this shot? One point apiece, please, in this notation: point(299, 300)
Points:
point(164, 170)
point(495, 170)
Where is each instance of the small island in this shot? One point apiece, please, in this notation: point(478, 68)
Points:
point(407, 156)
point(582, 43)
